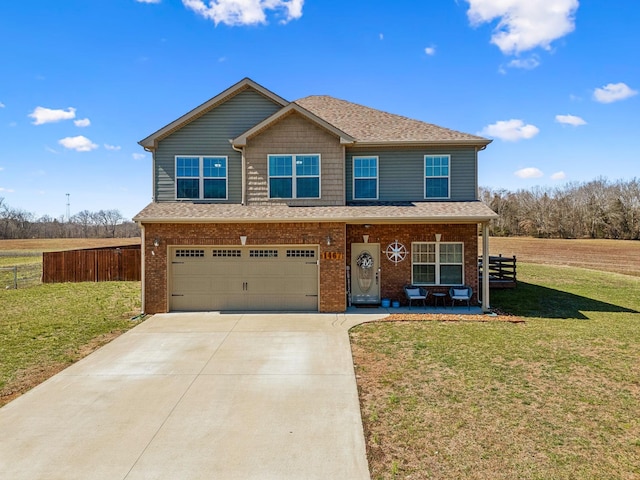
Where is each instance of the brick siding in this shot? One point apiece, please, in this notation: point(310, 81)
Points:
point(393, 277)
point(332, 271)
point(332, 282)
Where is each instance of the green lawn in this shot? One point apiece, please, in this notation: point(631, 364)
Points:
point(556, 396)
point(47, 327)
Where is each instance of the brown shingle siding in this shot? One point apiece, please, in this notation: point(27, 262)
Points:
point(294, 135)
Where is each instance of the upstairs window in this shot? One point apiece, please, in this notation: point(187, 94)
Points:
point(436, 172)
point(294, 176)
point(201, 178)
point(437, 263)
point(365, 178)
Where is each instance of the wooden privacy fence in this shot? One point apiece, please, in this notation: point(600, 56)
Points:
point(92, 265)
point(502, 271)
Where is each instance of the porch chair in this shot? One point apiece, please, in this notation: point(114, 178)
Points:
point(461, 294)
point(416, 293)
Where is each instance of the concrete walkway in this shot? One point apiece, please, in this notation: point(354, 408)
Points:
point(198, 396)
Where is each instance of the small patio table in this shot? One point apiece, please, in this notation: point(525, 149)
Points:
point(437, 296)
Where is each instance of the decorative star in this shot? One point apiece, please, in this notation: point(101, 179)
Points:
point(396, 252)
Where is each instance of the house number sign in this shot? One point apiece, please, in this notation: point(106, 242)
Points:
point(332, 255)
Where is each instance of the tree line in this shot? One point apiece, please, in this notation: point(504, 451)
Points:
point(595, 209)
point(17, 223)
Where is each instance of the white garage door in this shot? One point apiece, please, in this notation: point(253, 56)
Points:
point(244, 278)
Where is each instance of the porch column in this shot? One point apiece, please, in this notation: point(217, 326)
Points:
point(485, 267)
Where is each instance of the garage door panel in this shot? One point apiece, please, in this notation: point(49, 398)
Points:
point(193, 285)
point(249, 278)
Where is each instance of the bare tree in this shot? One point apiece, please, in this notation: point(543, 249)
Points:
point(596, 209)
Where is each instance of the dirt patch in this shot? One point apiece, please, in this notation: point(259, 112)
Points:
point(620, 256)
point(52, 244)
point(448, 317)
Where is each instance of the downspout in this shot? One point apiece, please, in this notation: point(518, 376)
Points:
point(142, 267)
point(486, 305)
point(243, 187)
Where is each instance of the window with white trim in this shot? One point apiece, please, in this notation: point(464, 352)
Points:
point(201, 177)
point(436, 173)
point(365, 178)
point(437, 263)
point(294, 176)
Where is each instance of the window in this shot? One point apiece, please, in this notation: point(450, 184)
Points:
point(365, 178)
point(189, 253)
point(200, 178)
point(294, 176)
point(436, 172)
point(437, 263)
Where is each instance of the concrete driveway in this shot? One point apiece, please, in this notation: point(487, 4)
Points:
point(198, 396)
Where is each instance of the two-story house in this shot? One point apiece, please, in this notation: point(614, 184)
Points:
point(313, 205)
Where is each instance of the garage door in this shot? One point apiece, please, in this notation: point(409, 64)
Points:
point(244, 278)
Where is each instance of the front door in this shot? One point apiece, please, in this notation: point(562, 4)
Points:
point(365, 273)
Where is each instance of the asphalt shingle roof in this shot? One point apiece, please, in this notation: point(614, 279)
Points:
point(369, 125)
point(405, 212)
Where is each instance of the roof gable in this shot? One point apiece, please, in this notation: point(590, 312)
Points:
point(369, 126)
point(241, 141)
point(151, 141)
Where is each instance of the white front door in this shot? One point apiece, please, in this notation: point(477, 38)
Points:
point(365, 273)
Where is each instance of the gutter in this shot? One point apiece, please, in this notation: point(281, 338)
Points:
point(346, 219)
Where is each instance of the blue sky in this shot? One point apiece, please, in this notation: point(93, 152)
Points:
point(554, 83)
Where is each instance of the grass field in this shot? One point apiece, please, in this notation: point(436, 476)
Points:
point(48, 327)
point(45, 328)
point(554, 393)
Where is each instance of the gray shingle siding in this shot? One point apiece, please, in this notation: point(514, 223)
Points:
point(209, 135)
point(401, 172)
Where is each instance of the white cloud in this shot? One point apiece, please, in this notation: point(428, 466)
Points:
point(139, 156)
point(113, 148)
point(510, 130)
point(42, 115)
point(2, 105)
point(613, 92)
point(148, 1)
point(525, 63)
point(524, 24)
point(558, 176)
point(50, 150)
point(529, 172)
point(7, 190)
point(570, 120)
point(244, 12)
point(79, 143)
point(84, 122)
point(430, 51)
